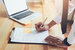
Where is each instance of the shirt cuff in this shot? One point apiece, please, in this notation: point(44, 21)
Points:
point(58, 19)
point(65, 42)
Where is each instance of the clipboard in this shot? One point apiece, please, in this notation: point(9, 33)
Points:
point(11, 42)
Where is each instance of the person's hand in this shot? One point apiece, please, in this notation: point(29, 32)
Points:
point(40, 29)
point(55, 42)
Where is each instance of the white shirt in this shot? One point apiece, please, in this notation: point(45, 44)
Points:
point(58, 5)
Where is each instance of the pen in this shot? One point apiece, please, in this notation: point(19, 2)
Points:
point(43, 22)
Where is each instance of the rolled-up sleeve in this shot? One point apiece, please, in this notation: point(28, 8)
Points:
point(58, 6)
point(71, 36)
point(58, 18)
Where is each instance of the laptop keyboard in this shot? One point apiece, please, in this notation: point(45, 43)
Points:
point(20, 16)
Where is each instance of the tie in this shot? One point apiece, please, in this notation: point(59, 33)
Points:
point(64, 16)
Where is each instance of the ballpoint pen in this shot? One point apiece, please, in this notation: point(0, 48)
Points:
point(43, 22)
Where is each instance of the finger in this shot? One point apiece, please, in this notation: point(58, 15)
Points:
point(62, 46)
point(38, 29)
point(50, 42)
point(48, 38)
point(38, 24)
point(42, 28)
point(46, 27)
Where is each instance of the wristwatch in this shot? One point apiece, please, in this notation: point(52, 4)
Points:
point(65, 42)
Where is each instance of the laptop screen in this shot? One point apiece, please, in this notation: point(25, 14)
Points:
point(14, 6)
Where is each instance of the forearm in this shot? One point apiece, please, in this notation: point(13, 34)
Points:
point(71, 37)
point(52, 23)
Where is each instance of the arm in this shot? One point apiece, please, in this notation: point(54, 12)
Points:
point(52, 23)
point(56, 20)
point(71, 37)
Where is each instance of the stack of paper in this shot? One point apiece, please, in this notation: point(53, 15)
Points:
point(18, 35)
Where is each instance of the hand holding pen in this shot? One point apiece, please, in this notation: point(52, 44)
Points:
point(41, 26)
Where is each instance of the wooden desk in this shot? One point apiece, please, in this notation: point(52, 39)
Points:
point(7, 24)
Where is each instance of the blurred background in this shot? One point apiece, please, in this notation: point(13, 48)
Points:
point(55, 2)
point(0, 1)
point(30, 0)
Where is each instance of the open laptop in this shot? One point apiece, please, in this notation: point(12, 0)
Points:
point(19, 11)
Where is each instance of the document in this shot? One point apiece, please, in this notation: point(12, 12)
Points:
point(18, 35)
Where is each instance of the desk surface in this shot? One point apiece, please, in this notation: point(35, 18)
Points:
point(7, 24)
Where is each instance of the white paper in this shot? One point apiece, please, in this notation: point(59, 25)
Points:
point(34, 37)
point(14, 6)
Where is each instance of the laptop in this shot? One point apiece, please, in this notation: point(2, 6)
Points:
point(19, 11)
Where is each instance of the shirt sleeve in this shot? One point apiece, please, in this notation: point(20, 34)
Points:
point(58, 6)
point(71, 36)
point(58, 18)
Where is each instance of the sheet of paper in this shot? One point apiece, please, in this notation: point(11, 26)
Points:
point(34, 37)
point(27, 30)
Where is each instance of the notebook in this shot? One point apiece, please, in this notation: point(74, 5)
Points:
point(19, 36)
